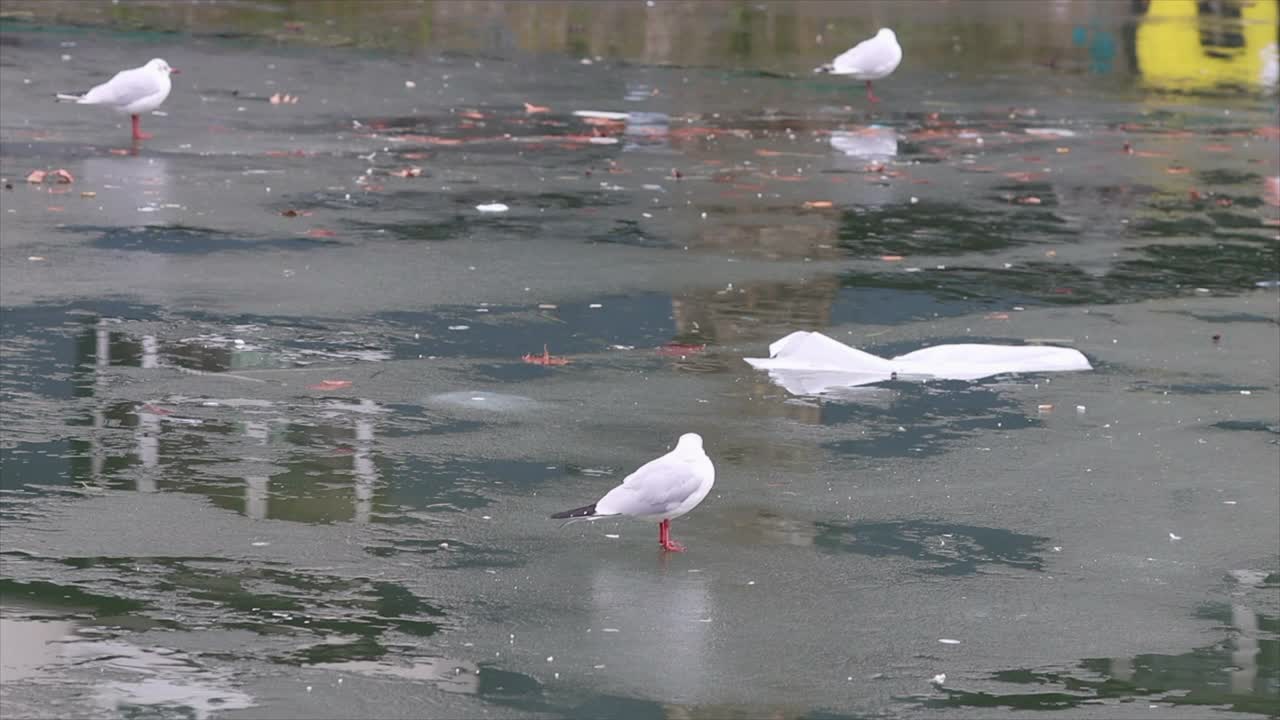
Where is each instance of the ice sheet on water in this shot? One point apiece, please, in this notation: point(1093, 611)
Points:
point(810, 363)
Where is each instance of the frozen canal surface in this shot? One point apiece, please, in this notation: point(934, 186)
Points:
point(270, 448)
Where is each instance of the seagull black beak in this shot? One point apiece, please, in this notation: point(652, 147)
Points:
point(175, 71)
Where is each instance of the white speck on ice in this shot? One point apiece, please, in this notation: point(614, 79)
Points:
point(948, 641)
point(492, 208)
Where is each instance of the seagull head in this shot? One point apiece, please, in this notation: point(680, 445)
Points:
point(160, 66)
point(690, 442)
point(886, 34)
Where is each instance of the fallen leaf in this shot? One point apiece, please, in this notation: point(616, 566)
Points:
point(1194, 195)
point(545, 359)
point(996, 316)
point(1028, 200)
point(1223, 202)
point(817, 204)
point(62, 176)
point(36, 176)
point(1177, 170)
point(891, 258)
point(88, 194)
point(678, 349)
point(1218, 147)
point(330, 385)
point(472, 114)
point(409, 172)
point(535, 109)
point(321, 233)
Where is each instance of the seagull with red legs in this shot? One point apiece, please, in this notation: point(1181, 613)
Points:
point(869, 60)
point(132, 92)
point(661, 490)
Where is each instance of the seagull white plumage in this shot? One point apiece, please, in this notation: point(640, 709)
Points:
point(132, 92)
point(662, 489)
point(869, 60)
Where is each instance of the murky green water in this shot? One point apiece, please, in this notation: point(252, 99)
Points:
point(270, 448)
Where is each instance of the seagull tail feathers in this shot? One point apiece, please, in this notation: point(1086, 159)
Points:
point(824, 68)
point(64, 97)
point(585, 511)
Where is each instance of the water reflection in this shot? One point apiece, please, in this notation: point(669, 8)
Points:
point(1242, 674)
point(133, 190)
point(119, 676)
point(656, 625)
point(1190, 45)
point(162, 429)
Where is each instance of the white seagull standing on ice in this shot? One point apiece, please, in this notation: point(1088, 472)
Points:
point(133, 92)
point(662, 490)
point(869, 60)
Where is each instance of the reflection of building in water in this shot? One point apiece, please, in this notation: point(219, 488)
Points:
point(1185, 44)
point(167, 438)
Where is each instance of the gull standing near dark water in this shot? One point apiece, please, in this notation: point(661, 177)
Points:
point(661, 490)
point(869, 60)
point(132, 92)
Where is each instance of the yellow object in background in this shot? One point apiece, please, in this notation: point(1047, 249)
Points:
point(1181, 45)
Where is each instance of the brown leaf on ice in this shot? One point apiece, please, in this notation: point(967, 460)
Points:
point(535, 109)
point(817, 204)
point(321, 233)
point(36, 176)
point(62, 176)
point(545, 359)
point(409, 172)
point(1177, 170)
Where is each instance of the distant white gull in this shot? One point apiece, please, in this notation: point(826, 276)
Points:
point(869, 60)
point(662, 490)
point(132, 92)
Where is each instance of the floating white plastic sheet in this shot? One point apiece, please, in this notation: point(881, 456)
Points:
point(810, 363)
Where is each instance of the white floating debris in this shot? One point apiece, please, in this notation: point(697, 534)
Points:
point(1228, 502)
point(459, 327)
point(551, 658)
point(603, 141)
point(1174, 537)
point(601, 114)
point(492, 208)
point(260, 543)
point(939, 679)
point(1080, 409)
point(1246, 392)
point(948, 641)
point(807, 363)
point(1051, 132)
point(612, 536)
point(608, 629)
point(410, 84)
point(595, 306)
